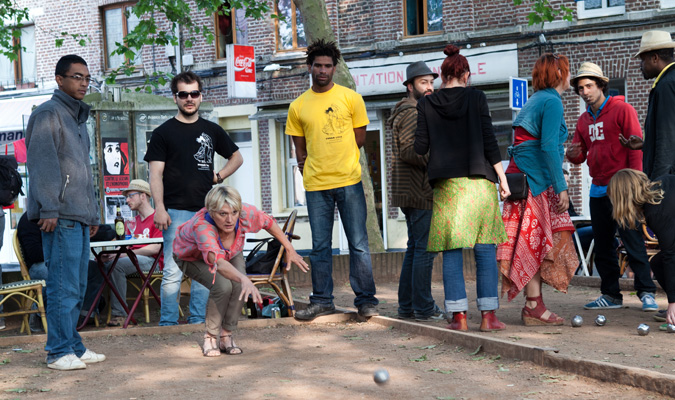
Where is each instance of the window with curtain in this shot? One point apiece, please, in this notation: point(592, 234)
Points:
point(22, 71)
point(118, 21)
point(600, 8)
point(423, 17)
point(230, 29)
point(290, 30)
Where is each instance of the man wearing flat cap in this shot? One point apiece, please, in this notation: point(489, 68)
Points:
point(412, 193)
point(596, 140)
point(138, 198)
point(656, 61)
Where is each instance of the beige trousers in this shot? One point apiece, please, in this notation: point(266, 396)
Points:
point(223, 307)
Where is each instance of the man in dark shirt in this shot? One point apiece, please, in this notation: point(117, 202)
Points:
point(181, 159)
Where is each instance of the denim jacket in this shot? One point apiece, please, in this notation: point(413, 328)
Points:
point(542, 117)
point(61, 180)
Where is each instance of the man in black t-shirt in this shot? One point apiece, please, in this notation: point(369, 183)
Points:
point(180, 156)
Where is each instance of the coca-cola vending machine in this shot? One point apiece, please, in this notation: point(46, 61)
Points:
point(241, 71)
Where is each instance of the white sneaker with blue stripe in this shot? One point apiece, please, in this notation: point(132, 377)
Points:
point(604, 303)
point(649, 302)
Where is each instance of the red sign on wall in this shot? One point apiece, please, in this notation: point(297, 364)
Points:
point(241, 71)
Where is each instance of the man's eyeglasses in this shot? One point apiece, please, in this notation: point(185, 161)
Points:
point(79, 78)
point(193, 94)
point(130, 195)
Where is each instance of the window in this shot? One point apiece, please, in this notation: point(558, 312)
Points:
point(423, 17)
point(293, 185)
point(230, 29)
point(667, 3)
point(290, 30)
point(600, 8)
point(118, 21)
point(20, 73)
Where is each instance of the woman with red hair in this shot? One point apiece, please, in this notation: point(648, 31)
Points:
point(455, 128)
point(540, 247)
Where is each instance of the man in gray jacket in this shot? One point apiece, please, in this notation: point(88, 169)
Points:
point(61, 199)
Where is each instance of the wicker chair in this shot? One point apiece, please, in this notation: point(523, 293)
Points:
point(24, 293)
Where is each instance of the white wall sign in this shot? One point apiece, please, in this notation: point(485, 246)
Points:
point(386, 75)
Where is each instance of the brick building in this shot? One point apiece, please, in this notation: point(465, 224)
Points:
point(378, 39)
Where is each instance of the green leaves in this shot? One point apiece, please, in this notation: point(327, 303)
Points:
point(543, 11)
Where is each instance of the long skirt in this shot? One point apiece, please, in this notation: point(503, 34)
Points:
point(465, 212)
point(539, 239)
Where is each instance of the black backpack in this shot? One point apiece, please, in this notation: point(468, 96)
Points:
point(262, 263)
point(10, 181)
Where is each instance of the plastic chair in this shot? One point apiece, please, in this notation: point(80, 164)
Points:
point(24, 293)
point(278, 278)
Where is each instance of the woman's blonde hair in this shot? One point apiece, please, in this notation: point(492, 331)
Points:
point(220, 195)
point(629, 190)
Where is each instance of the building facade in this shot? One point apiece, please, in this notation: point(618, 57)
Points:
point(379, 39)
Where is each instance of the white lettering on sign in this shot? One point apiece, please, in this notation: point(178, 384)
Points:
point(595, 132)
point(242, 63)
point(386, 75)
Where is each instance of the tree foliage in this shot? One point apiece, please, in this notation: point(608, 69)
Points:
point(543, 11)
point(180, 22)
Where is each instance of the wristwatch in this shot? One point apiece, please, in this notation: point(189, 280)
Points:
point(218, 178)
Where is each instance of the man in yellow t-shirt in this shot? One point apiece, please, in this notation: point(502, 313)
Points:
point(328, 126)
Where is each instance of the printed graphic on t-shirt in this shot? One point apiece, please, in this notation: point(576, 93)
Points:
point(595, 131)
point(204, 155)
point(335, 124)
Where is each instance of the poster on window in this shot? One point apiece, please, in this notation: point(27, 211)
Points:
point(111, 204)
point(115, 165)
point(241, 71)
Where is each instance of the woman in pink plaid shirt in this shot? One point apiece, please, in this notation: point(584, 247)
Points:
point(211, 242)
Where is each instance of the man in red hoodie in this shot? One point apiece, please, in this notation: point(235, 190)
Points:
point(596, 140)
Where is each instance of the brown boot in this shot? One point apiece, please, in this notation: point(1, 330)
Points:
point(490, 323)
point(458, 322)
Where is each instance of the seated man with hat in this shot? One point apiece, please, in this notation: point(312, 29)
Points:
point(138, 198)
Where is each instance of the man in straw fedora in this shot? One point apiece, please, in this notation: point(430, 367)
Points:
point(596, 140)
point(138, 198)
point(656, 61)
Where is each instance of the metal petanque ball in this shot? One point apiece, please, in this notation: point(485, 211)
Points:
point(670, 328)
point(643, 329)
point(577, 321)
point(600, 320)
point(381, 376)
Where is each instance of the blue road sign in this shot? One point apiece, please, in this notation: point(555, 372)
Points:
point(517, 93)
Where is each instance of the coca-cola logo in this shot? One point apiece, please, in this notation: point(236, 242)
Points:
point(243, 63)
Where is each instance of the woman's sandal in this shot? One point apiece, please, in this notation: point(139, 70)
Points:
point(231, 350)
point(210, 347)
point(533, 316)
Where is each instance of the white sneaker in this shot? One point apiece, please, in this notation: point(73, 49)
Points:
point(67, 363)
point(89, 357)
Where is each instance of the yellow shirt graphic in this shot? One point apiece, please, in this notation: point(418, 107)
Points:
point(327, 121)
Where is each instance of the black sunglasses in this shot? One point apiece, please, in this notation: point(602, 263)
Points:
point(193, 94)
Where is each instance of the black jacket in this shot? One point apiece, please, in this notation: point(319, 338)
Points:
point(658, 151)
point(454, 125)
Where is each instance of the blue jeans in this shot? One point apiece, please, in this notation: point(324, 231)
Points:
point(66, 251)
point(173, 277)
point(414, 286)
point(486, 279)
point(351, 203)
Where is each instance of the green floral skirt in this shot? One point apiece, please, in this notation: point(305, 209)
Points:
point(466, 212)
